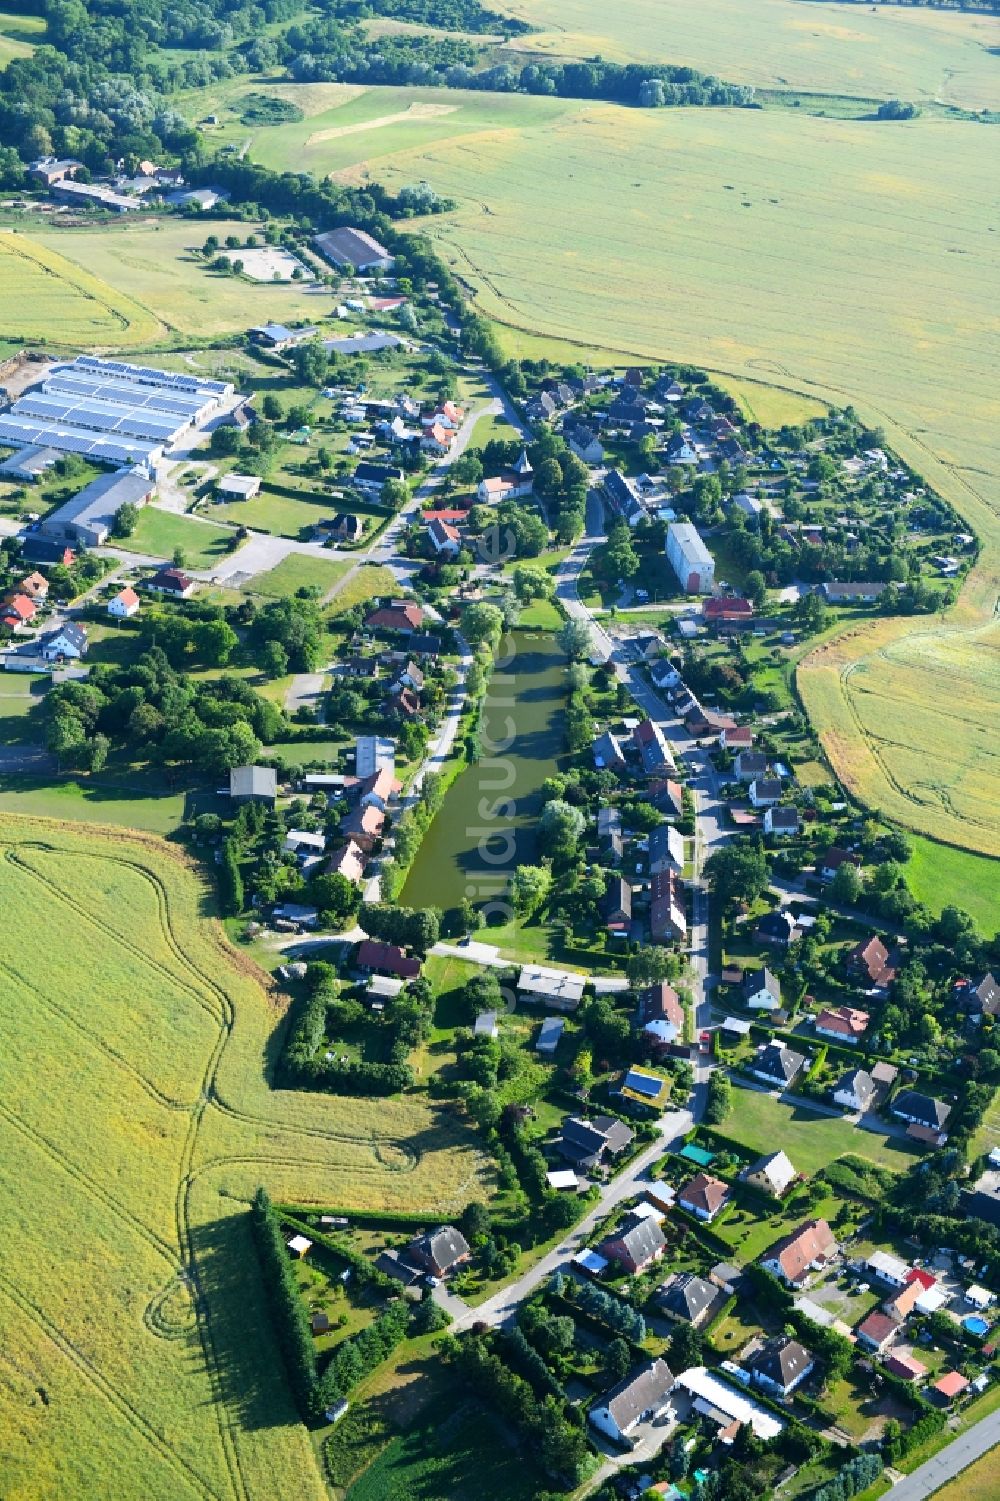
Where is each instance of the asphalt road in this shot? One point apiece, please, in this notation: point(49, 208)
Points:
point(962, 1451)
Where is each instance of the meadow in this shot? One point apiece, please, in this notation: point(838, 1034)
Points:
point(812, 1140)
point(157, 533)
point(980, 1482)
point(154, 269)
point(138, 1355)
point(299, 571)
point(19, 35)
point(884, 52)
point(848, 261)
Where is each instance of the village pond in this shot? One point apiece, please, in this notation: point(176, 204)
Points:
point(486, 824)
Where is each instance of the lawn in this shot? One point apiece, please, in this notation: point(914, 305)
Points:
point(368, 583)
point(149, 1124)
point(19, 35)
point(159, 533)
point(153, 266)
point(299, 571)
point(281, 515)
point(811, 1140)
point(942, 876)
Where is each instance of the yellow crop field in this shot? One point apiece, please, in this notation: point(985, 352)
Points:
point(45, 295)
point(154, 264)
point(844, 260)
point(137, 1117)
point(869, 52)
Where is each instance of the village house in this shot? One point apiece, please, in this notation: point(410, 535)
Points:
point(174, 583)
point(583, 442)
point(609, 754)
point(17, 611)
point(877, 1332)
point(739, 738)
point(637, 1243)
point(749, 765)
point(654, 752)
point(347, 861)
point(660, 1014)
point(778, 928)
point(363, 824)
point(386, 959)
point(35, 586)
point(781, 822)
point(399, 615)
point(772, 1174)
point(903, 1303)
point(557, 988)
point(370, 479)
point(852, 594)
point(704, 1196)
point(589, 1142)
point(345, 527)
point(842, 1023)
point(765, 791)
point(667, 917)
point(728, 607)
point(687, 1297)
point(438, 1252)
point(870, 959)
point(666, 850)
point(891, 1270)
point(616, 906)
point(761, 990)
point(777, 1065)
point(906, 1367)
point(125, 603)
point(920, 1109)
point(795, 1257)
point(978, 997)
point(38, 549)
point(828, 865)
point(379, 789)
point(66, 643)
point(780, 1365)
point(643, 1396)
point(855, 1091)
point(437, 440)
point(445, 538)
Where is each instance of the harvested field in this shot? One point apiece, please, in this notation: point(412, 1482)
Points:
point(136, 1097)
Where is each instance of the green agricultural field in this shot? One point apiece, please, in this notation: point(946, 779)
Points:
point(886, 52)
point(943, 876)
point(137, 1106)
point(811, 1140)
point(153, 265)
point(157, 533)
point(299, 571)
point(846, 260)
point(45, 295)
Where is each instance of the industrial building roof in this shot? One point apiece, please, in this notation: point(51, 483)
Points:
point(109, 448)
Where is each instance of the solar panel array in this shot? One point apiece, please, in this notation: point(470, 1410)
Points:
point(184, 403)
point(146, 375)
point(110, 448)
point(102, 416)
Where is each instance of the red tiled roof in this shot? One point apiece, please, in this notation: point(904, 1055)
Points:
point(950, 1384)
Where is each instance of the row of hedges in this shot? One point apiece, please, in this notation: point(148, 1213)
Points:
point(352, 1360)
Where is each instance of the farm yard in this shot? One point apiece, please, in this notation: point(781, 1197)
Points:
point(150, 1122)
point(721, 210)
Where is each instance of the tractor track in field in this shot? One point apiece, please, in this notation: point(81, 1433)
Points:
point(199, 986)
point(108, 1390)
